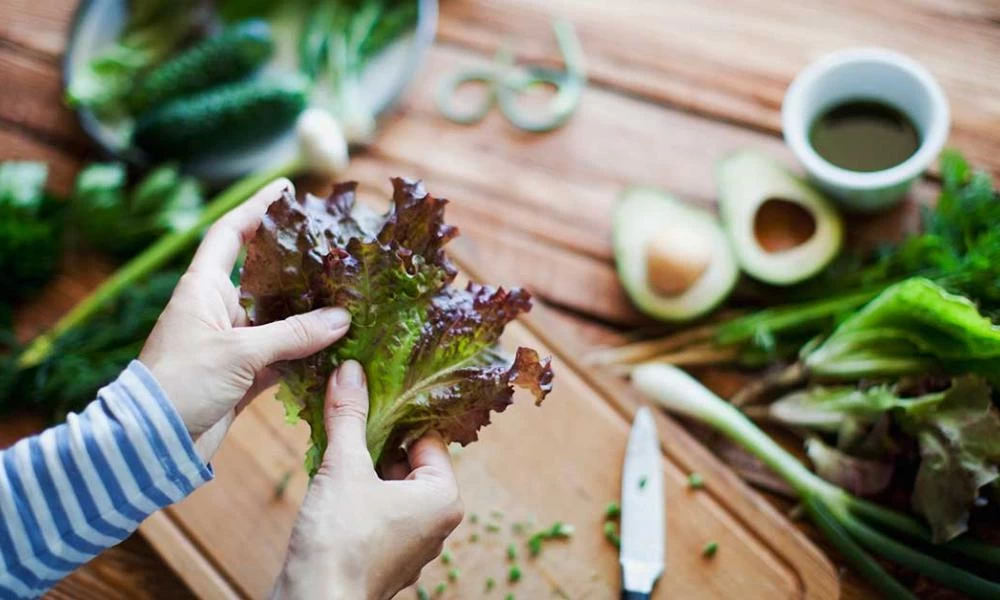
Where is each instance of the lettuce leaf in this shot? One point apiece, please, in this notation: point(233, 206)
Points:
point(914, 326)
point(959, 454)
point(429, 349)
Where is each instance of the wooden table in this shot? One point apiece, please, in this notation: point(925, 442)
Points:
point(674, 85)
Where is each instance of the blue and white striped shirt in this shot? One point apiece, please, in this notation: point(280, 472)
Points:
point(83, 486)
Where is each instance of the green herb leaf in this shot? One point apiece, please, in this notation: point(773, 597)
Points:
point(429, 349)
point(30, 230)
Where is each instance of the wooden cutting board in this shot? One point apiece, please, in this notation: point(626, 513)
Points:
point(560, 462)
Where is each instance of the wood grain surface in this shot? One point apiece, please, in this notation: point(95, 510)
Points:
point(674, 85)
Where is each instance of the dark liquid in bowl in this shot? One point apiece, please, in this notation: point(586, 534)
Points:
point(862, 135)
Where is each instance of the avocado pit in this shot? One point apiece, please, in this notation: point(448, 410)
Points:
point(781, 225)
point(676, 258)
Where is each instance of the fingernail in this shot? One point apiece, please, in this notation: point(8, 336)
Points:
point(336, 318)
point(350, 374)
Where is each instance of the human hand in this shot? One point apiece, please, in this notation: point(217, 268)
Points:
point(206, 358)
point(358, 536)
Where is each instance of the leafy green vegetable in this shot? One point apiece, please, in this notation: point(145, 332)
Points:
point(30, 230)
point(155, 28)
point(429, 349)
point(960, 453)
point(91, 355)
point(121, 221)
point(827, 409)
point(860, 476)
point(913, 327)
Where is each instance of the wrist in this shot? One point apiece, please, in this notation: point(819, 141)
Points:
point(307, 580)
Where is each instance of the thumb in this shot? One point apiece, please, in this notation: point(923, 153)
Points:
point(346, 415)
point(295, 337)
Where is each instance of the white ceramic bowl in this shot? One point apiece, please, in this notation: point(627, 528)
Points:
point(865, 74)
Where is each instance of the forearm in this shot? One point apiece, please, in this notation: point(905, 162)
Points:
point(83, 486)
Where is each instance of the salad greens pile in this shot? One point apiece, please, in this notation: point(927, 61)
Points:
point(429, 349)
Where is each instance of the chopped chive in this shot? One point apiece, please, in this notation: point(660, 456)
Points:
point(611, 534)
point(496, 514)
point(490, 583)
point(695, 481)
point(561, 530)
point(517, 528)
point(642, 482)
point(509, 597)
point(535, 544)
point(446, 557)
point(514, 575)
point(474, 538)
point(511, 552)
point(440, 588)
point(492, 527)
point(453, 574)
point(613, 511)
point(473, 518)
point(710, 549)
point(422, 593)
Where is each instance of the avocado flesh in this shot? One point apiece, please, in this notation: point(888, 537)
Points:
point(746, 182)
point(640, 216)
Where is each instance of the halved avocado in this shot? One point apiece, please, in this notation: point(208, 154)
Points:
point(781, 229)
point(673, 259)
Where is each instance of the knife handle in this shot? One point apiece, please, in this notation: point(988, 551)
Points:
point(627, 595)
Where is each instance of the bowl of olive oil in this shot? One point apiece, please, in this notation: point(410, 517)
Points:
point(865, 124)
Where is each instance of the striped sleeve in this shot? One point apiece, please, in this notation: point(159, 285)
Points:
point(80, 487)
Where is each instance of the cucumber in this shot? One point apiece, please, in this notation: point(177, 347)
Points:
point(221, 119)
point(231, 55)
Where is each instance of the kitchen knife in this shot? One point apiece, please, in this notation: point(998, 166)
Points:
point(643, 545)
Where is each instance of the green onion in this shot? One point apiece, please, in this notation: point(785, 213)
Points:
point(612, 512)
point(473, 518)
point(490, 583)
point(474, 538)
point(710, 549)
point(851, 524)
point(441, 587)
point(514, 575)
point(422, 593)
point(446, 557)
point(642, 482)
point(611, 534)
point(695, 481)
point(509, 596)
point(453, 574)
point(492, 528)
point(511, 552)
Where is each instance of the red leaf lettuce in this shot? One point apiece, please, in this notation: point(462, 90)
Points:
point(429, 349)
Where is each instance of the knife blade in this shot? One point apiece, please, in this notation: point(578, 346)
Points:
point(643, 541)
